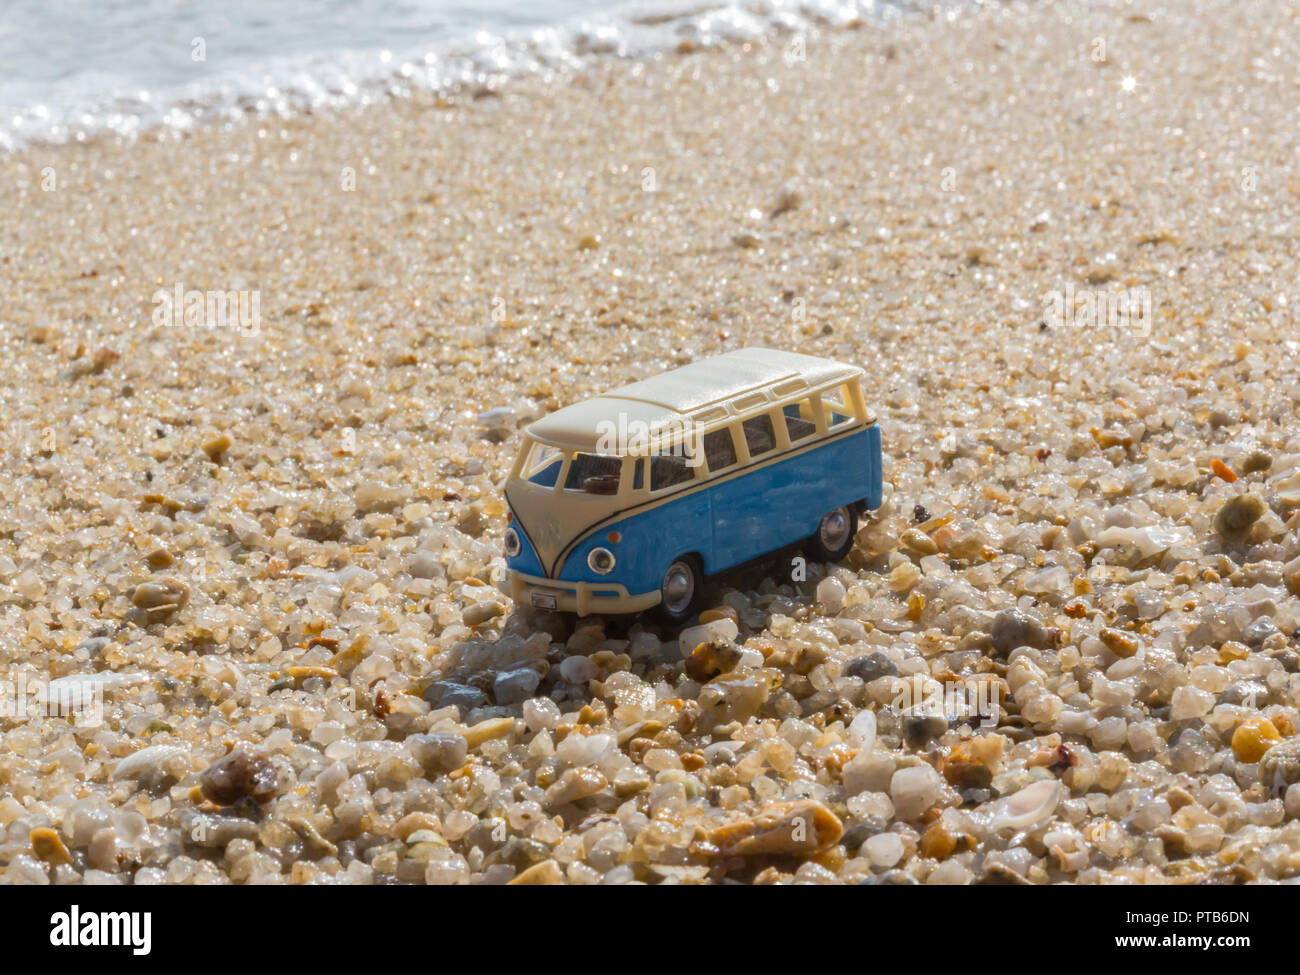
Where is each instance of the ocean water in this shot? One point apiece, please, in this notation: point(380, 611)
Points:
point(74, 67)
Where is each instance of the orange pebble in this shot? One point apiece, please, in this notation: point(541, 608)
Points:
point(1223, 470)
point(1253, 738)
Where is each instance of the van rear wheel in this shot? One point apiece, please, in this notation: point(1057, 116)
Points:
point(679, 593)
point(833, 539)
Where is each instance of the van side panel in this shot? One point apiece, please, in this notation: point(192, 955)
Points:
point(734, 520)
point(874, 495)
point(784, 501)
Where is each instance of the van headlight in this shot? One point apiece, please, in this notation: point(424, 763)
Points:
point(600, 561)
point(511, 543)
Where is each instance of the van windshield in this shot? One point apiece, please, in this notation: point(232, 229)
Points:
point(542, 465)
point(593, 473)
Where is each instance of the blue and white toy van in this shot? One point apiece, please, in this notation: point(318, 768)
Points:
point(629, 500)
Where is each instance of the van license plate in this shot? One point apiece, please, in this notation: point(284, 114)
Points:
point(544, 600)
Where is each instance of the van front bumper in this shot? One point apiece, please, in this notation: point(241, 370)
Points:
point(583, 598)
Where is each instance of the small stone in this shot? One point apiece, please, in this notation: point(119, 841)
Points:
point(575, 784)
point(546, 873)
point(1280, 765)
point(1253, 738)
point(719, 613)
point(444, 693)
point(830, 595)
point(241, 772)
point(439, 751)
point(515, 686)
point(1119, 643)
point(1189, 702)
point(883, 850)
point(914, 790)
point(787, 199)
point(801, 827)
point(1014, 628)
point(723, 630)
point(217, 446)
point(488, 730)
point(919, 542)
point(588, 242)
point(163, 595)
point(1256, 460)
point(711, 659)
point(414, 822)
point(938, 842)
point(1237, 516)
point(871, 667)
point(1244, 693)
point(862, 730)
point(47, 846)
point(481, 612)
point(921, 729)
point(426, 565)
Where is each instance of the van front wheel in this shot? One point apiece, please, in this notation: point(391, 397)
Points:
point(833, 539)
point(680, 590)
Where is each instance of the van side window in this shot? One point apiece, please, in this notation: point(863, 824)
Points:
point(667, 470)
point(839, 406)
point(593, 473)
point(719, 449)
point(798, 420)
point(759, 434)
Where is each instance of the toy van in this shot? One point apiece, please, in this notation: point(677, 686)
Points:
point(628, 501)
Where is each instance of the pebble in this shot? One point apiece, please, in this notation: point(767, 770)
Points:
point(830, 595)
point(921, 729)
point(1253, 738)
point(1014, 628)
point(871, 667)
point(913, 790)
point(439, 751)
point(515, 686)
point(1237, 516)
point(801, 827)
point(883, 850)
point(242, 772)
point(722, 630)
point(862, 730)
point(444, 693)
point(48, 846)
point(166, 594)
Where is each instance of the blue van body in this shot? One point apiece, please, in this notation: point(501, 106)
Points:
point(733, 517)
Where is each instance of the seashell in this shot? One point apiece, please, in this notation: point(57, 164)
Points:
point(147, 761)
point(1027, 808)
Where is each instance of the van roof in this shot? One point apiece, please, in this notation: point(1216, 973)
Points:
point(698, 393)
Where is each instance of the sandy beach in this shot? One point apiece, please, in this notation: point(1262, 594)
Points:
point(274, 542)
